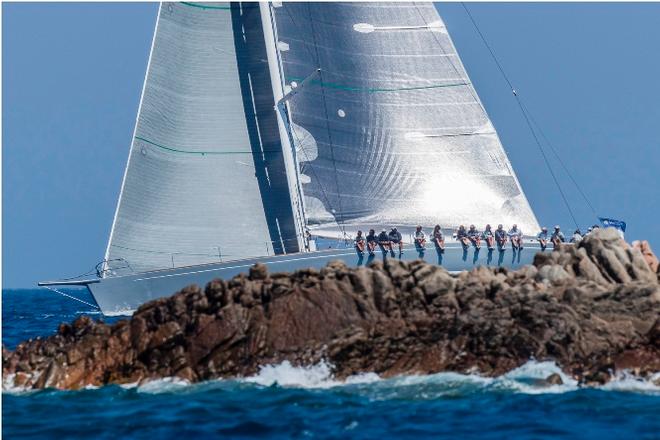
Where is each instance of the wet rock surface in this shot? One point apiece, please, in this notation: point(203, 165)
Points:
point(593, 308)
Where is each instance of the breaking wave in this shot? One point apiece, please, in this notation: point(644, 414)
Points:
point(315, 376)
point(526, 379)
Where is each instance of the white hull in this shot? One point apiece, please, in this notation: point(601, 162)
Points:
point(121, 295)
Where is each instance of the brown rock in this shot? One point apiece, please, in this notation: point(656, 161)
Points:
point(258, 272)
point(594, 309)
point(649, 257)
point(554, 379)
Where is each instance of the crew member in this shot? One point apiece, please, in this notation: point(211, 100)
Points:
point(396, 239)
point(516, 237)
point(577, 237)
point(489, 238)
point(420, 238)
point(384, 242)
point(542, 238)
point(474, 236)
point(438, 238)
point(501, 237)
point(360, 244)
point(462, 237)
point(372, 240)
point(557, 237)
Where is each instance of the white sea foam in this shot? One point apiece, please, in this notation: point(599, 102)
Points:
point(123, 312)
point(9, 387)
point(527, 379)
point(165, 385)
point(315, 376)
point(625, 381)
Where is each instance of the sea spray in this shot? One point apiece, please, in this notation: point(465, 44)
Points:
point(315, 376)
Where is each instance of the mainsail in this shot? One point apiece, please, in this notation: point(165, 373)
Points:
point(391, 131)
point(205, 180)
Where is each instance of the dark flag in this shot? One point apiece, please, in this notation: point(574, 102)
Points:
point(612, 223)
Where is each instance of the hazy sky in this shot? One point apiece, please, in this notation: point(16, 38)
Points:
point(73, 72)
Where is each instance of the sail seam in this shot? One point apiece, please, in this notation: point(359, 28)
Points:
point(202, 153)
point(199, 5)
point(375, 89)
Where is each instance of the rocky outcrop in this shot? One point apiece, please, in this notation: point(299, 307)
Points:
point(593, 308)
point(645, 248)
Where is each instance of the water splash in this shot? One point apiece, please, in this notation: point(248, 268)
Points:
point(315, 376)
point(165, 385)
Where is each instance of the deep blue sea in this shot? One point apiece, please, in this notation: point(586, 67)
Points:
point(286, 402)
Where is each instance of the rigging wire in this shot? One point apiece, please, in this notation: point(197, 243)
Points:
point(545, 158)
point(559, 159)
point(72, 297)
point(528, 120)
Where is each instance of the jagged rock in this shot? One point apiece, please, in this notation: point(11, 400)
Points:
point(554, 379)
point(645, 248)
point(259, 272)
point(593, 308)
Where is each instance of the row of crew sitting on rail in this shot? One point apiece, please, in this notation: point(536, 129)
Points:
point(557, 236)
point(386, 241)
point(389, 241)
point(467, 237)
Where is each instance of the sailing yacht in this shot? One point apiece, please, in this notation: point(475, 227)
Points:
point(272, 132)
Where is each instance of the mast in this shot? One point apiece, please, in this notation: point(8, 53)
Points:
point(283, 118)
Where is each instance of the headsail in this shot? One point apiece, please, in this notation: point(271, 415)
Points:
point(392, 131)
point(205, 179)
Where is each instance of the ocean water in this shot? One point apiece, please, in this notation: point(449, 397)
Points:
point(286, 402)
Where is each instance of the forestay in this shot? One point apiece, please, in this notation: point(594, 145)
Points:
point(391, 132)
point(198, 164)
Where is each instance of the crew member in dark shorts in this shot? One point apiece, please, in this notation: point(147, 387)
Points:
point(360, 244)
point(501, 237)
point(462, 237)
point(420, 238)
point(396, 239)
point(542, 238)
point(372, 241)
point(489, 238)
point(384, 242)
point(474, 236)
point(438, 238)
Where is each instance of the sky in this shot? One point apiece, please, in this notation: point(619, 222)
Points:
point(72, 75)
